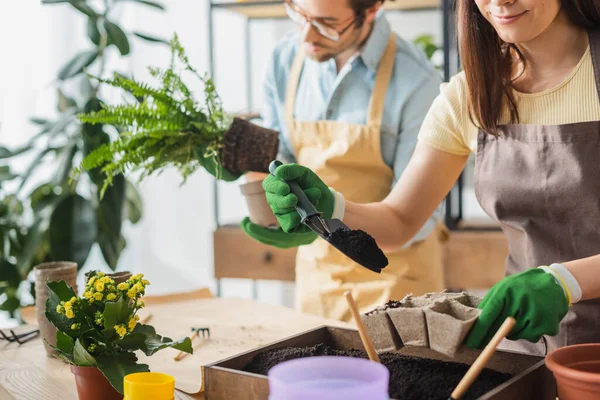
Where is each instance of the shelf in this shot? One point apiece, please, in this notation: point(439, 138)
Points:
point(274, 9)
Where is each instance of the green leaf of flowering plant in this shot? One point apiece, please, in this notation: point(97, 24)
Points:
point(81, 357)
point(116, 313)
point(145, 338)
point(116, 366)
point(57, 292)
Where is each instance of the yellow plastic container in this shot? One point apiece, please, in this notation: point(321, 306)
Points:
point(149, 386)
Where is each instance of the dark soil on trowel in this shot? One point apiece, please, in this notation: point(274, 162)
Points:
point(361, 247)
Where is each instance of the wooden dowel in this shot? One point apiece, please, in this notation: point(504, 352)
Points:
point(182, 354)
point(146, 319)
point(362, 329)
point(483, 359)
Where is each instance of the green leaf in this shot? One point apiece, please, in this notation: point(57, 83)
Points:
point(61, 290)
point(67, 358)
point(65, 164)
point(37, 162)
point(42, 197)
point(64, 102)
point(32, 243)
point(116, 367)
point(133, 203)
point(5, 174)
point(82, 6)
point(109, 218)
point(116, 313)
point(64, 342)
point(57, 292)
point(12, 302)
point(81, 357)
point(86, 90)
point(117, 36)
point(39, 121)
point(149, 3)
point(6, 153)
point(149, 38)
point(154, 342)
point(93, 32)
point(72, 230)
point(9, 273)
point(77, 64)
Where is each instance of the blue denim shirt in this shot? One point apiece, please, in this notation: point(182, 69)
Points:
point(324, 94)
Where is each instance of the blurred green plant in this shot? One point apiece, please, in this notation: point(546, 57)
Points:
point(61, 219)
point(427, 44)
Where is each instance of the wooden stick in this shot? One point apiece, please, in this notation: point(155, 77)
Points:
point(362, 329)
point(182, 354)
point(483, 359)
point(146, 319)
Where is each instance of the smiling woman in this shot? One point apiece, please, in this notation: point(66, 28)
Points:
point(488, 30)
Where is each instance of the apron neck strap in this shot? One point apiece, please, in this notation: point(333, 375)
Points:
point(594, 36)
point(384, 74)
point(377, 101)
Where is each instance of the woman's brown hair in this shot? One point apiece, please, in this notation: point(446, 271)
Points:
point(485, 58)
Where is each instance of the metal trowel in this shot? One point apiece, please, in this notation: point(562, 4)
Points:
point(325, 228)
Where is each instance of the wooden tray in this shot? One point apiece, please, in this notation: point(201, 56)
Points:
point(226, 380)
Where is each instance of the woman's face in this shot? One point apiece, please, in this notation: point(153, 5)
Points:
point(519, 21)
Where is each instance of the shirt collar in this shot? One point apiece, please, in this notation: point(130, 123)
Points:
point(373, 49)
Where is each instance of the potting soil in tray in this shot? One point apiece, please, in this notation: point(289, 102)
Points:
point(411, 378)
point(361, 247)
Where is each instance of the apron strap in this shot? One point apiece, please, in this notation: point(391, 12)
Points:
point(377, 101)
point(292, 86)
point(594, 36)
point(384, 74)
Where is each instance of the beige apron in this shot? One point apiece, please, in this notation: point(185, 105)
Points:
point(542, 184)
point(348, 158)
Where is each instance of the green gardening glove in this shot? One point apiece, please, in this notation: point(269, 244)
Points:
point(282, 202)
point(210, 164)
point(277, 237)
point(533, 298)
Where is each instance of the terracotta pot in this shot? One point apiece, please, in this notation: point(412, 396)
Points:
point(577, 371)
point(260, 211)
point(249, 147)
point(93, 385)
point(119, 277)
point(52, 271)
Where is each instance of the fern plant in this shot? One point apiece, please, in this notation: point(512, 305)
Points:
point(165, 126)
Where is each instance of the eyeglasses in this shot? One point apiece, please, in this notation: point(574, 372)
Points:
point(299, 16)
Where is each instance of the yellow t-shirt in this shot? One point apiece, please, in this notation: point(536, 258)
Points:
point(447, 126)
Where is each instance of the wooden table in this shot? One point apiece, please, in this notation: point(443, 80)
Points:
point(236, 325)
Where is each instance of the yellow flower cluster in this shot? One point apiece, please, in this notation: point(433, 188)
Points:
point(121, 330)
point(135, 286)
point(99, 318)
point(66, 308)
point(92, 348)
point(100, 287)
point(132, 323)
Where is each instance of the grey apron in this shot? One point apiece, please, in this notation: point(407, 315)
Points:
point(542, 184)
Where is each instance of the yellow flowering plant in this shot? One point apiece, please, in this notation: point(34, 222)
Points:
point(101, 328)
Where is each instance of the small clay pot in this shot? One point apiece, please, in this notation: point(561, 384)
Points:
point(382, 330)
point(93, 385)
point(249, 147)
point(409, 320)
point(51, 271)
point(577, 371)
point(256, 199)
point(448, 323)
point(119, 277)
